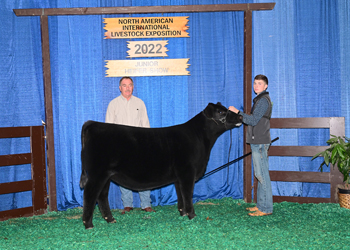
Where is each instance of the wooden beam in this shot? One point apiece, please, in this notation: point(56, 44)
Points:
point(301, 200)
point(316, 122)
point(337, 128)
point(300, 176)
point(247, 102)
point(14, 132)
point(45, 43)
point(15, 159)
point(16, 186)
point(39, 194)
point(295, 150)
point(144, 9)
point(14, 213)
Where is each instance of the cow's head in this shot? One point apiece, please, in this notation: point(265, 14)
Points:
point(222, 116)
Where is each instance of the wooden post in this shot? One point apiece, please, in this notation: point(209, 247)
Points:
point(247, 86)
point(37, 145)
point(337, 128)
point(48, 112)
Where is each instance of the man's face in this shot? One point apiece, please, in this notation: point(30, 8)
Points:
point(259, 86)
point(126, 87)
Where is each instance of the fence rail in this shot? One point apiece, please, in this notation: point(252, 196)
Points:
point(36, 158)
point(336, 127)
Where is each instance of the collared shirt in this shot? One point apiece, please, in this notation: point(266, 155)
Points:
point(124, 112)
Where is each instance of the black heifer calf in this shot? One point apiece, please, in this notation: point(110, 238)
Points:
point(147, 158)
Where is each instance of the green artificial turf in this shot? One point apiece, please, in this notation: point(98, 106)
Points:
point(220, 224)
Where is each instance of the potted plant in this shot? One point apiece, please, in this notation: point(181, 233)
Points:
point(338, 154)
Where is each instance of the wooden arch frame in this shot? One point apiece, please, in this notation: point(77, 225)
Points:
point(247, 68)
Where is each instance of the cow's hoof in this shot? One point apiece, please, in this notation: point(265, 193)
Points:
point(182, 213)
point(88, 226)
point(110, 220)
point(191, 216)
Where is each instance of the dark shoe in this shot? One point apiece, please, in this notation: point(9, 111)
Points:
point(148, 209)
point(127, 209)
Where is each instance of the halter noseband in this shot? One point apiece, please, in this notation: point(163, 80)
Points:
point(222, 120)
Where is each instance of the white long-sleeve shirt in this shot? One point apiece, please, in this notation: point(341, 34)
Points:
point(124, 112)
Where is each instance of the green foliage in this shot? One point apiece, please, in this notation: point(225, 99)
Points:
point(338, 154)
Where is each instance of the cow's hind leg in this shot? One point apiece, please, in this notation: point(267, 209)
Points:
point(103, 203)
point(92, 190)
point(180, 202)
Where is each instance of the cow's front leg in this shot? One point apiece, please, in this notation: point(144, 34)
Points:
point(186, 188)
point(180, 202)
point(103, 204)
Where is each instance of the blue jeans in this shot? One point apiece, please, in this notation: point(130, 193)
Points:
point(127, 198)
point(261, 172)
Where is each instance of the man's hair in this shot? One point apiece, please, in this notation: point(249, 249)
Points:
point(262, 77)
point(125, 77)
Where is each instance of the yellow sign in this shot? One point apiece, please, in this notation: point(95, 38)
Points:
point(145, 27)
point(160, 67)
point(147, 48)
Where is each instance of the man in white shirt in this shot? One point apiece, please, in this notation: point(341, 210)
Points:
point(129, 110)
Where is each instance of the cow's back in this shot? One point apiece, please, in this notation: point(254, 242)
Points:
point(141, 158)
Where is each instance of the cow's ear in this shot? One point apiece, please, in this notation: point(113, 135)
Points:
point(219, 103)
point(209, 110)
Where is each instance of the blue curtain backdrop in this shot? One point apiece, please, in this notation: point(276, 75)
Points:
point(306, 58)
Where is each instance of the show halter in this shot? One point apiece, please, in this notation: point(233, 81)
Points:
point(222, 120)
point(231, 162)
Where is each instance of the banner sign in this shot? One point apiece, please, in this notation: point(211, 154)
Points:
point(147, 48)
point(160, 67)
point(145, 27)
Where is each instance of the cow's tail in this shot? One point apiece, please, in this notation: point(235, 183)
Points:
point(83, 179)
point(84, 176)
